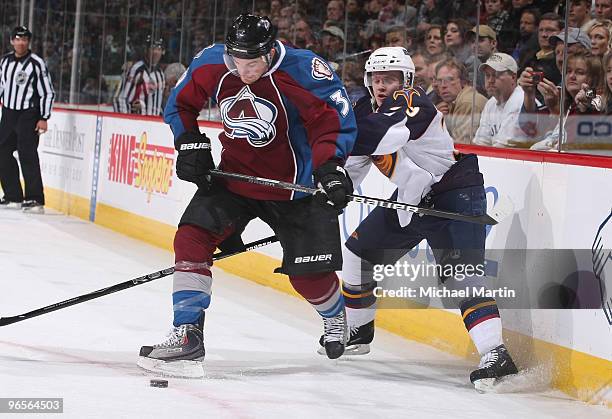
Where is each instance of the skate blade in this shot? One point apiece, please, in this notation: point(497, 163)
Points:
point(179, 369)
point(485, 385)
point(38, 210)
point(359, 349)
point(11, 206)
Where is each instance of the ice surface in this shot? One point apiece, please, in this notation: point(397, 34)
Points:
point(261, 344)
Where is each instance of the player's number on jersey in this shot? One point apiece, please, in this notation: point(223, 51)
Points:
point(339, 99)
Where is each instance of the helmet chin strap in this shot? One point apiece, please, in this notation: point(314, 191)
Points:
point(269, 57)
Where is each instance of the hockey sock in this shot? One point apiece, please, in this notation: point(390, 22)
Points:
point(192, 281)
point(358, 289)
point(482, 321)
point(322, 290)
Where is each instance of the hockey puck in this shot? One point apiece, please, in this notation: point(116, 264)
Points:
point(159, 383)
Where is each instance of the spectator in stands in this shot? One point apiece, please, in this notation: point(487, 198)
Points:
point(509, 34)
point(544, 60)
point(172, 73)
point(455, 39)
point(303, 37)
point(422, 75)
point(607, 95)
point(527, 45)
point(534, 120)
point(283, 26)
point(434, 42)
point(497, 14)
point(600, 34)
point(459, 9)
point(353, 80)
point(275, 8)
point(396, 13)
point(584, 72)
point(391, 14)
point(487, 41)
point(580, 14)
point(335, 13)
point(429, 12)
point(603, 9)
point(355, 21)
point(460, 46)
point(461, 118)
point(499, 121)
point(399, 36)
point(434, 94)
point(577, 41)
point(332, 44)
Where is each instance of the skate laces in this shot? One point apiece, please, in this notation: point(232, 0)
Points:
point(334, 328)
point(175, 337)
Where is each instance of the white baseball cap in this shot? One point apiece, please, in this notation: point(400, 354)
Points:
point(500, 62)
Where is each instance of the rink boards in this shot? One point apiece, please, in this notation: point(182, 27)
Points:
point(118, 171)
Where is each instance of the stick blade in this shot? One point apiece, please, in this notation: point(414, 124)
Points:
point(503, 208)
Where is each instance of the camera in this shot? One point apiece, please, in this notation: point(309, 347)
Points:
point(590, 94)
point(537, 77)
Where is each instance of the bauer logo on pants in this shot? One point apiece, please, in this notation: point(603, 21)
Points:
point(313, 258)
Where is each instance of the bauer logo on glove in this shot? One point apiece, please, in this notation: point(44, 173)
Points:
point(195, 146)
point(194, 159)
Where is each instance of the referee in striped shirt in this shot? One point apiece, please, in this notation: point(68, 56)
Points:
point(142, 87)
point(26, 94)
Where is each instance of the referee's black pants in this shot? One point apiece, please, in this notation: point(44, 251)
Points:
point(17, 132)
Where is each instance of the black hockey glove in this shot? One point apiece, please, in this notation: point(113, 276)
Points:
point(194, 159)
point(335, 183)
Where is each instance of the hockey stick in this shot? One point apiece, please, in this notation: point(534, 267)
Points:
point(125, 285)
point(502, 208)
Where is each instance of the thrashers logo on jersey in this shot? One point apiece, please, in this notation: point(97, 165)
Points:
point(385, 163)
point(247, 116)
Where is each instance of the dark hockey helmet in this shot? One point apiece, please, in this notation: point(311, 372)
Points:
point(21, 32)
point(250, 36)
point(151, 42)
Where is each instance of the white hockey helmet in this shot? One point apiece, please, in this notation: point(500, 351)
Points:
point(389, 59)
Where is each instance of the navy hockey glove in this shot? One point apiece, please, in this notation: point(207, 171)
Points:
point(194, 158)
point(335, 183)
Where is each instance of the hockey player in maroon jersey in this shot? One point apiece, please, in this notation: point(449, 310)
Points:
point(402, 133)
point(285, 116)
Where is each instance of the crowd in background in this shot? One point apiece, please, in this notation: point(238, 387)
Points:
point(495, 72)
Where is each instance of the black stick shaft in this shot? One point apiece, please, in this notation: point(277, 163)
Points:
point(368, 200)
point(124, 285)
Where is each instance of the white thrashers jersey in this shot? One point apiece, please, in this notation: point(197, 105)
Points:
point(142, 85)
point(406, 140)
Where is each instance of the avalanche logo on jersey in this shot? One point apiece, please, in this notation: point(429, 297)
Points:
point(320, 70)
point(250, 117)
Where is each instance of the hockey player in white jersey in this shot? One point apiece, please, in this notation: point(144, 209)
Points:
point(402, 133)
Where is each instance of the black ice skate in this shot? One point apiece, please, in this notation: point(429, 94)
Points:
point(359, 340)
point(4, 203)
point(181, 355)
point(335, 335)
point(33, 207)
point(494, 365)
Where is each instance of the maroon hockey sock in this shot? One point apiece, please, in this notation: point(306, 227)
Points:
point(322, 290)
